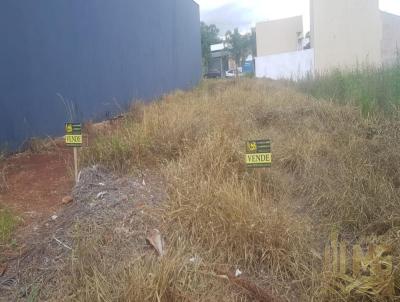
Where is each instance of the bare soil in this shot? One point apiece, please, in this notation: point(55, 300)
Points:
point(36, 184)
point(34, 268)
point(33, 186)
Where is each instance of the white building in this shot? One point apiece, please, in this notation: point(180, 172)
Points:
point(344, 34)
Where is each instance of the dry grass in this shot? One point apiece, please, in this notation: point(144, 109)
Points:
point(332, 170)
point(39, 145)
point(3, 178)
point(3, 170)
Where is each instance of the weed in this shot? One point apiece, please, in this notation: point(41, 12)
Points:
point(38, 145)
point(3, 179)
point(33, 294)
point(2, 156)
point(8, 222)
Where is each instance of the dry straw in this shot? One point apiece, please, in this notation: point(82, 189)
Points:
point(333, 169)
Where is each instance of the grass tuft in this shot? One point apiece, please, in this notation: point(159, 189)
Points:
point(8, 223)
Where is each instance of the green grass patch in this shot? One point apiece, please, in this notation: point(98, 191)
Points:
point(8, 223)
point(372, 88)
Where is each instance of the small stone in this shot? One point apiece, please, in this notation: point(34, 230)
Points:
point(67, 200)
point(101, 195)
point(238, 273)
point(54, 217)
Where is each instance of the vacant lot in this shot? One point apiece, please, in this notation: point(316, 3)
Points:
point(333, 171)
point(233, 234)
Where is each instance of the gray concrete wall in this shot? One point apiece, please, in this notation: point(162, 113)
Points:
point(345, 33)
point(278, 36)
point(391, 37)
point(98, 55)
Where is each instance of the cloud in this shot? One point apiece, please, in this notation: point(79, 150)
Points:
point(206, 5)
point(392, 6)
point(229, 16)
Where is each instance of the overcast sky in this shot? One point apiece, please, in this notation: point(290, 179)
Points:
point(228, 14)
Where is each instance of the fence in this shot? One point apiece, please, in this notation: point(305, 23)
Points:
point(290, 65)
point(90, 59)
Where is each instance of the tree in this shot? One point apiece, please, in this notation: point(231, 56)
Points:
point(240, 46)
point(209, 36)
point(253, 42)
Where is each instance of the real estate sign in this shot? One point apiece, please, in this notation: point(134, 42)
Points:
point(73, 135)
point(258, 154)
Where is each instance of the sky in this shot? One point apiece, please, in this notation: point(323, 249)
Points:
point(228, 14)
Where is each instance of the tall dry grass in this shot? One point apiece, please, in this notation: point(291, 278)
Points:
point(333, 170)
point(99, 274)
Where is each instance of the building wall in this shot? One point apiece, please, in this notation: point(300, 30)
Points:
point(391, 37)
point(90, 57)
point(345, 33)
point(278, 36)
point(291, 65)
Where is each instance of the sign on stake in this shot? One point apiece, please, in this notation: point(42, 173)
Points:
point(73, 138)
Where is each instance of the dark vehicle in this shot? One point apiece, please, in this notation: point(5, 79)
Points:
point(213, 74)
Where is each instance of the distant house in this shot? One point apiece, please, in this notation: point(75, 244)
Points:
point(281, 49)
point(222, 62)
point(219, 61)
point(390, 38)
point(344, 34)
point(279, 36)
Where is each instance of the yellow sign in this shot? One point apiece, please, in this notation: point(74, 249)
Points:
point(75, 140)
point(258, 158)
point(258, 154)
point(73, 134)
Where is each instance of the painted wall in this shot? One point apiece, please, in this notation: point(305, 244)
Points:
point(291, 65)
point(391, 37)
point(96, 55)
point(278, 36)
point(345, 33)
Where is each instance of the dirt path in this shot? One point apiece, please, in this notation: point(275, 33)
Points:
point(36, 184)
point(114, 205)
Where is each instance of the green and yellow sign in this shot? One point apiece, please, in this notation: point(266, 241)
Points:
point(73, 134)
point(258, 154)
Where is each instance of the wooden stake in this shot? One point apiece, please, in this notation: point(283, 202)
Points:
point(76, 163)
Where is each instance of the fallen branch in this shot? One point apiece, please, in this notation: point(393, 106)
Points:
point(62, 243)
